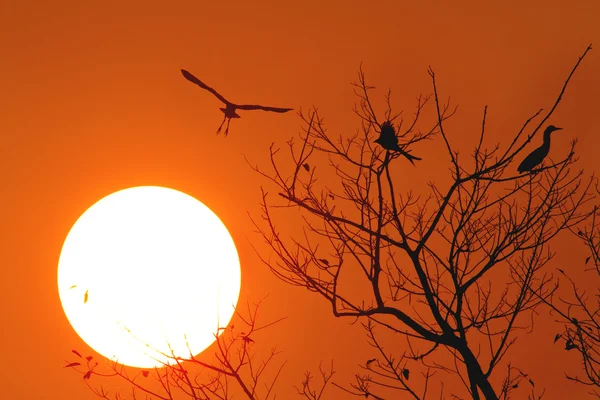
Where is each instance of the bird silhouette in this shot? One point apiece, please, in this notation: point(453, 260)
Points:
point(389, 141)
point(537, 156)
point(230, 108)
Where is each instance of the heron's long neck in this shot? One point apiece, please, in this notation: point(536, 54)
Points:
point(547, 138)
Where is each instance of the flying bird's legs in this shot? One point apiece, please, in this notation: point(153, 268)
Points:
point(227, 127)
point(220, 126)
point(225, 118)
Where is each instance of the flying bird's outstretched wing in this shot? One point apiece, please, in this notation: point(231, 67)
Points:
point(264, 108)
point(230, 108)
point(187, 75)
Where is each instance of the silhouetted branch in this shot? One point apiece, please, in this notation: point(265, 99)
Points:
point(233, 370)
point(577, 309)
point(306, 389)
point(455, 272)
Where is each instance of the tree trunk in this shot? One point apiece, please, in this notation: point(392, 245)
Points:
point(476, 374)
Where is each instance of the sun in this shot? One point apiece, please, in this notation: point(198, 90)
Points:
point(148, 272)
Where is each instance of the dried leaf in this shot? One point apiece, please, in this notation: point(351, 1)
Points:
point(587, 259)
point(145, 373)
point(371, 360)
point(405, 373)
point(76, 353)
point(247, 339)
point(306, 166)
point(570, 345)
point(87, 375)
point(89, 358)
point(324, 261)
point(85, 297)
point(73, 364)
point(556, 337)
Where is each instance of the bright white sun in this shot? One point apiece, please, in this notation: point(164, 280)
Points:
point(145, 271)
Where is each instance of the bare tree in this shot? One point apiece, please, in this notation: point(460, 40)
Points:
point(234, 370)
point(578, 311)
point(449, 277)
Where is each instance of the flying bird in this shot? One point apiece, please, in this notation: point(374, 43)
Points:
point(230, 108)
point(537, 156)
point(389, 141)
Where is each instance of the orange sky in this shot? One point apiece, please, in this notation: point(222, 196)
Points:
point(92, 102)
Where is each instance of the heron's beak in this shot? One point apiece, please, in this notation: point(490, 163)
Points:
point(557, 129)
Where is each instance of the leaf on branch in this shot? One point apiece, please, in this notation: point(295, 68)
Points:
point(73, 364)
point(89, 358)
point(246, 339)
point(306, 166)
point(561, 271)
point(405, 373)
point(324, 261)
point(570, 345)
point(76, 353)
point(587, 259)
point(370, 361)
point(85, 297)
point(87, 375)
point(558, 335)
point(145, 373)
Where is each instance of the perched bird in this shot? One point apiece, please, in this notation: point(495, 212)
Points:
point(230, 108)
point(537, 156)
point(388, 140)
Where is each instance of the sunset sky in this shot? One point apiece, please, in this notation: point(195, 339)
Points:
point(93, 101)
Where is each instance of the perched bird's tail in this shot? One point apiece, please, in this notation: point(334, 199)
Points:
point(409, 156)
